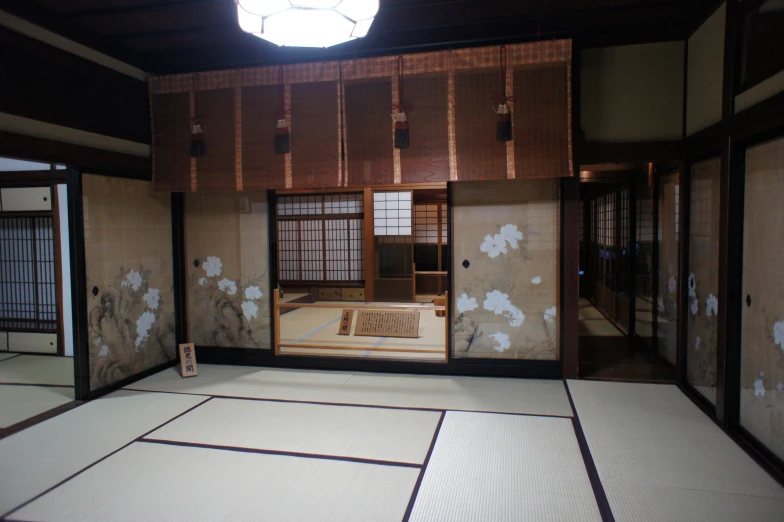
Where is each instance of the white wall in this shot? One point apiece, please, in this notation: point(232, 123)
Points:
point(65, 252)
point(632, 92)
point(706, 73)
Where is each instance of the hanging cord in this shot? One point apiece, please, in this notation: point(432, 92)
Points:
point(504, 95)
point(400, 106)
point(282, 95)
point(195, 87)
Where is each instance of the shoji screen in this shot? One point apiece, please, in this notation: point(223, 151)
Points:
point(666, 327)
point(227, 255)
point(320, 238)
point(703, 283)
point(506, 265)
point(128, 261)
point(762, 333)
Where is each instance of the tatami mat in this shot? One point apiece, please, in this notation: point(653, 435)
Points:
point(525, 396)
point(39, 457)
point(660, 458)
point(505, 468)
point(529, 396)
point(18, 403)
point(247, 381)
point(153, 482)
point(4, 356)
point(38, 369)
point(344, 431)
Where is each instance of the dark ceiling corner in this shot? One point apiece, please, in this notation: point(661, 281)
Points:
point(175, 36)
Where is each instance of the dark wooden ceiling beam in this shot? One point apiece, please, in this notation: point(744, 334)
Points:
point(134, 9)
point(31, 12)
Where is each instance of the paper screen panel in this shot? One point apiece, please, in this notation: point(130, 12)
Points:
point(505, 298)
point(130, 279)
point(392, 213)
point(314, 135)
point(369, 143)
point(762, 328)
point(261, 167)
point(227, 254)
point(479, 155)
point(171, 142)
point(703, 280)
point(216, 170)
point(427, 159)
point(541, 121)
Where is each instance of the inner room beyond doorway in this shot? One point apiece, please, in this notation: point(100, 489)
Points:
point(371, 251)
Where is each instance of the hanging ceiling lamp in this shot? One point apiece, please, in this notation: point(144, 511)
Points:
point(307, 23)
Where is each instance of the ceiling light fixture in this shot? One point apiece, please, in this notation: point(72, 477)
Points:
point(306, 23)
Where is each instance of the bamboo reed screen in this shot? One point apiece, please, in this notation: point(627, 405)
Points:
point(341, 127)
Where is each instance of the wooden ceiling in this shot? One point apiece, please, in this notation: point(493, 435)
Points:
point(167, 36)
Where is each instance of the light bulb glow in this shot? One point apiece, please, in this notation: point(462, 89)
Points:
point(307, 23)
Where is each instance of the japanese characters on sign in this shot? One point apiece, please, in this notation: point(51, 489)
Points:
point(188, 360)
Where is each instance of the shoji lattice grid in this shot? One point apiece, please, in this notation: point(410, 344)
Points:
point(300, 205)
point(27, 276)
point(392, 213)
point(624, 218)
point(324, 248)
point(312, 250)
point(288, 250)
point(426, 224)
point(344, 204)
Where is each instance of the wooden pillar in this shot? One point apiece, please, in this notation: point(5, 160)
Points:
point(368, 245)
point(570, 248)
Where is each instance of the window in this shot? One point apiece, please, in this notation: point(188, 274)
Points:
point(321, 238)
point(392, 213)
point(27, 274)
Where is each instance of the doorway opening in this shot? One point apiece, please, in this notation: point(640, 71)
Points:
point(381, 252)
point(624, 329)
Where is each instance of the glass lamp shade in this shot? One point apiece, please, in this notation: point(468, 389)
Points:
point(306, 23)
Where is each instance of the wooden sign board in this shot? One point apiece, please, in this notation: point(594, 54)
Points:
point(388, 323)
point(188, 360)
point(345, 322)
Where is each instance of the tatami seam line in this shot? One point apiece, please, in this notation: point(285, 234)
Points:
point(4, 516)
point(282, 453)
point(354, 405)
point(590, 466)
point(418, 484)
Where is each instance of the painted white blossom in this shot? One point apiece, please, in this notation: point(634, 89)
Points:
point(549, 314)
point(203, 281)
point(133, 279)
point(516, 317)
point(152, 298)
point(253, 292)
point(98, 340)
point(212, 266)
point(672, 285)
point(536, 280)
point(494, 246)
point(498, 303)
point(778, 333)
point(694, 307)
point(466, 304)
point(692, 286)
point(143, 325)
point(501, 341)
point(104, 352)
point(660, 304)
point(697, 342)
point(759, 388)
point(711, 305)
point(780, 386)
point(228, 285)
point(250, 309)
point(511, 235)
